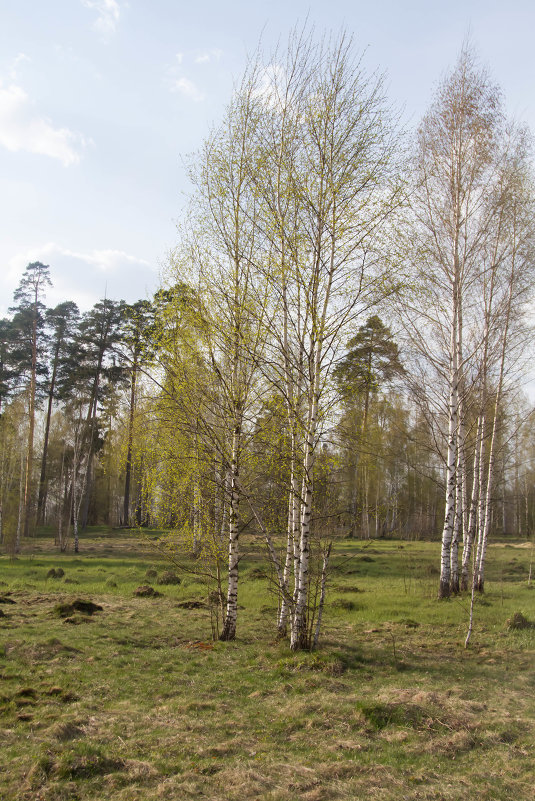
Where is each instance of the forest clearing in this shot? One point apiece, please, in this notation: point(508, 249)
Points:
point(137, 701)
point(267, 532)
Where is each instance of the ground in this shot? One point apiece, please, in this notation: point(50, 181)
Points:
point(136, 701)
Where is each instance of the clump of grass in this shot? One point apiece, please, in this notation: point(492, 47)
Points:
point(67, 731)
point(519, 621)
point(85, 761)
point(380, 715)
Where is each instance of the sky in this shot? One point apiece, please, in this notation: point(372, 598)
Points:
point(101, 102)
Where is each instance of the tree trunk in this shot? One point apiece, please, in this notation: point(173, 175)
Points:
point(41, 500)
point(128, 468)
point(299, 629)
point(229, 627)
point(451, 483)
point(474, 504)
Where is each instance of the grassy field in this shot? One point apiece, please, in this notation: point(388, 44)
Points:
point(136, 702)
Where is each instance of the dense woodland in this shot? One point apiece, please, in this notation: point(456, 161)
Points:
point(339, 349)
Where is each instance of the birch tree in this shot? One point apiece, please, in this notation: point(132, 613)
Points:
point(283, 254)
point(468, 162)
point(326, 158)
point(217, 256)
point(457, 168)
point(509, 274)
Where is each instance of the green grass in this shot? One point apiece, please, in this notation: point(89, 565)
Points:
point(137, 702)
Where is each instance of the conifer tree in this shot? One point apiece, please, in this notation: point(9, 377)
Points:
point(28, 322)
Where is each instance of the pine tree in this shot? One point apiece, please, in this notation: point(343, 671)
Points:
point(27, 353)
point(62, 320)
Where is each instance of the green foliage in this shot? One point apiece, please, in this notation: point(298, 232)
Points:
point(371, 361)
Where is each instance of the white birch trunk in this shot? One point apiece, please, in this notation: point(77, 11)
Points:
point(480, 564)
point(299, 632)
point(231, 617)
point(323, 587)
point(457, 526)
point(451, 464)
point(285, 605)
point(487, 505)
point(474, 503)
point(299, 629)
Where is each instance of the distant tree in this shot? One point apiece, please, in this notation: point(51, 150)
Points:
point(92, 363)
point(62, 322)
point(6, 368)
point(13, 437)
point(372, 360)
point(28, 324)
point(137, 347)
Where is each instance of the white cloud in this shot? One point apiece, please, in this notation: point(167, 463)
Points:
point(205, 56)
point(13, 70)
point(188, 89)
point(107, 261)
point(270, 86)
point(21, 128)
point(108, 13)
point(85, 277)
point(185, 86)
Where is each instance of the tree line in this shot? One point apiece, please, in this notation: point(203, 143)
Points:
point(262, 389)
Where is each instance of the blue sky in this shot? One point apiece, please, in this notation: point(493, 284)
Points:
point(100, 100)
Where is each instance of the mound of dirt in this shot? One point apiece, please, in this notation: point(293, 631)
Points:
point(145, 591)
point(64, 732)
point(68, 609)
point(55, 572)
point(215, 597)
point(519, 621)
point(76, 620)
point(191, 605)
point(169, 577)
